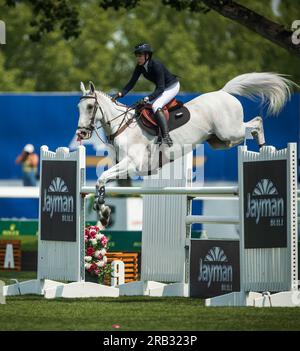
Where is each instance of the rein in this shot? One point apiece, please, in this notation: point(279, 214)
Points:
point(92, 127)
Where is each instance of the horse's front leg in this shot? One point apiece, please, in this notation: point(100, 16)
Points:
point(119, 170)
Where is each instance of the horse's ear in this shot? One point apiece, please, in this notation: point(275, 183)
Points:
point(82, 88)
point(92, 87)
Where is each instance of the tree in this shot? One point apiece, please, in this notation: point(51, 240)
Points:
point(54, 63)
point(259, 24)
point(46, 14)
point(205, 51)
point(50, 13)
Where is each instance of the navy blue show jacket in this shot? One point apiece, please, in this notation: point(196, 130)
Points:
point(157, 73)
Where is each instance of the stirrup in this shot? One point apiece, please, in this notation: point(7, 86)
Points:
point(167, 140)
point(159, 140)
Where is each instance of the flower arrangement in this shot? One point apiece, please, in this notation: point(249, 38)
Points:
point(96, 246)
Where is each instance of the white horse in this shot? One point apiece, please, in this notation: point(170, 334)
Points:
point(216, 117)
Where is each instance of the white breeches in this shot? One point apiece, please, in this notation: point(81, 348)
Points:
point(165, 97)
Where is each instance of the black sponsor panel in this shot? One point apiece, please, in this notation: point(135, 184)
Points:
point(265, 204)
point(29, 261)
point(214, 267)
point(58, 201)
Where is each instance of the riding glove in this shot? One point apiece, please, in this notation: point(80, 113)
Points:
point(117, 96)
point(143, 101)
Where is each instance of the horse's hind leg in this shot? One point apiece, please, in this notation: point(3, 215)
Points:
point(257, 130)
point(226, 138)
point(229, 131)
point(217, 143)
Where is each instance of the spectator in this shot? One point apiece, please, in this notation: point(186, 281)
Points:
point(29, 161)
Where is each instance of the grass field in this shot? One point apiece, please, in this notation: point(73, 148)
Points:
point(136, 313)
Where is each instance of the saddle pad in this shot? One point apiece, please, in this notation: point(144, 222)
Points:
point(178, 117)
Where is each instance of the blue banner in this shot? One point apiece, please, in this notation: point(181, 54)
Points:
point(51, 119)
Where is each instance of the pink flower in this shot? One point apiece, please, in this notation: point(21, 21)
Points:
point(104, 240)
point(93, 233)
point(90, 251)
point(92, 268)
point(96, 247)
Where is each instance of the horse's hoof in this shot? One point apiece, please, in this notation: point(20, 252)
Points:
point(104, 222)
point(104, 215)
point(96, 205)
point(101, 200)
point(100, 195)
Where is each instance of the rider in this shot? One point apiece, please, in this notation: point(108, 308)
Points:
point(166, 86)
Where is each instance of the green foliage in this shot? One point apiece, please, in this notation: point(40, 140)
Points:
point(50, 13)
point(204, 50)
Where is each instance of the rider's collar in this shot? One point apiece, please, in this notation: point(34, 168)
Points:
point(146, 65)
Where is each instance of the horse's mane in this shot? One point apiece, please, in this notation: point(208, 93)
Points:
point(102, 93)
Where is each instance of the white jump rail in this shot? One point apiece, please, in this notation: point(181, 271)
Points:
point(19, 192)
point(198, 193)
point(190, 191)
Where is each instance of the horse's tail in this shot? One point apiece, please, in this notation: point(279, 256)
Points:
point(272, 88)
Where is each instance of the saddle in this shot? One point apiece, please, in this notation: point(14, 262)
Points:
point(175, 112)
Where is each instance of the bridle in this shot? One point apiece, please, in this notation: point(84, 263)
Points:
point(87, 131)
point(92, 127)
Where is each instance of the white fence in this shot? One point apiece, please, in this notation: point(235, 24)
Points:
point(166, 240)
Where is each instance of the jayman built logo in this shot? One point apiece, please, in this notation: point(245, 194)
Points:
point(265, 202)
point(215, 267)
point(57, 200)
point(58, 206)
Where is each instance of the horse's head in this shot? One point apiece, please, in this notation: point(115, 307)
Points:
point(90, 111)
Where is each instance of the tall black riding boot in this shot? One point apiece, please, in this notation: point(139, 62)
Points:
point(163, 125)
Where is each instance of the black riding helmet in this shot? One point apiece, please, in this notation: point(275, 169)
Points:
point(143, 48)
